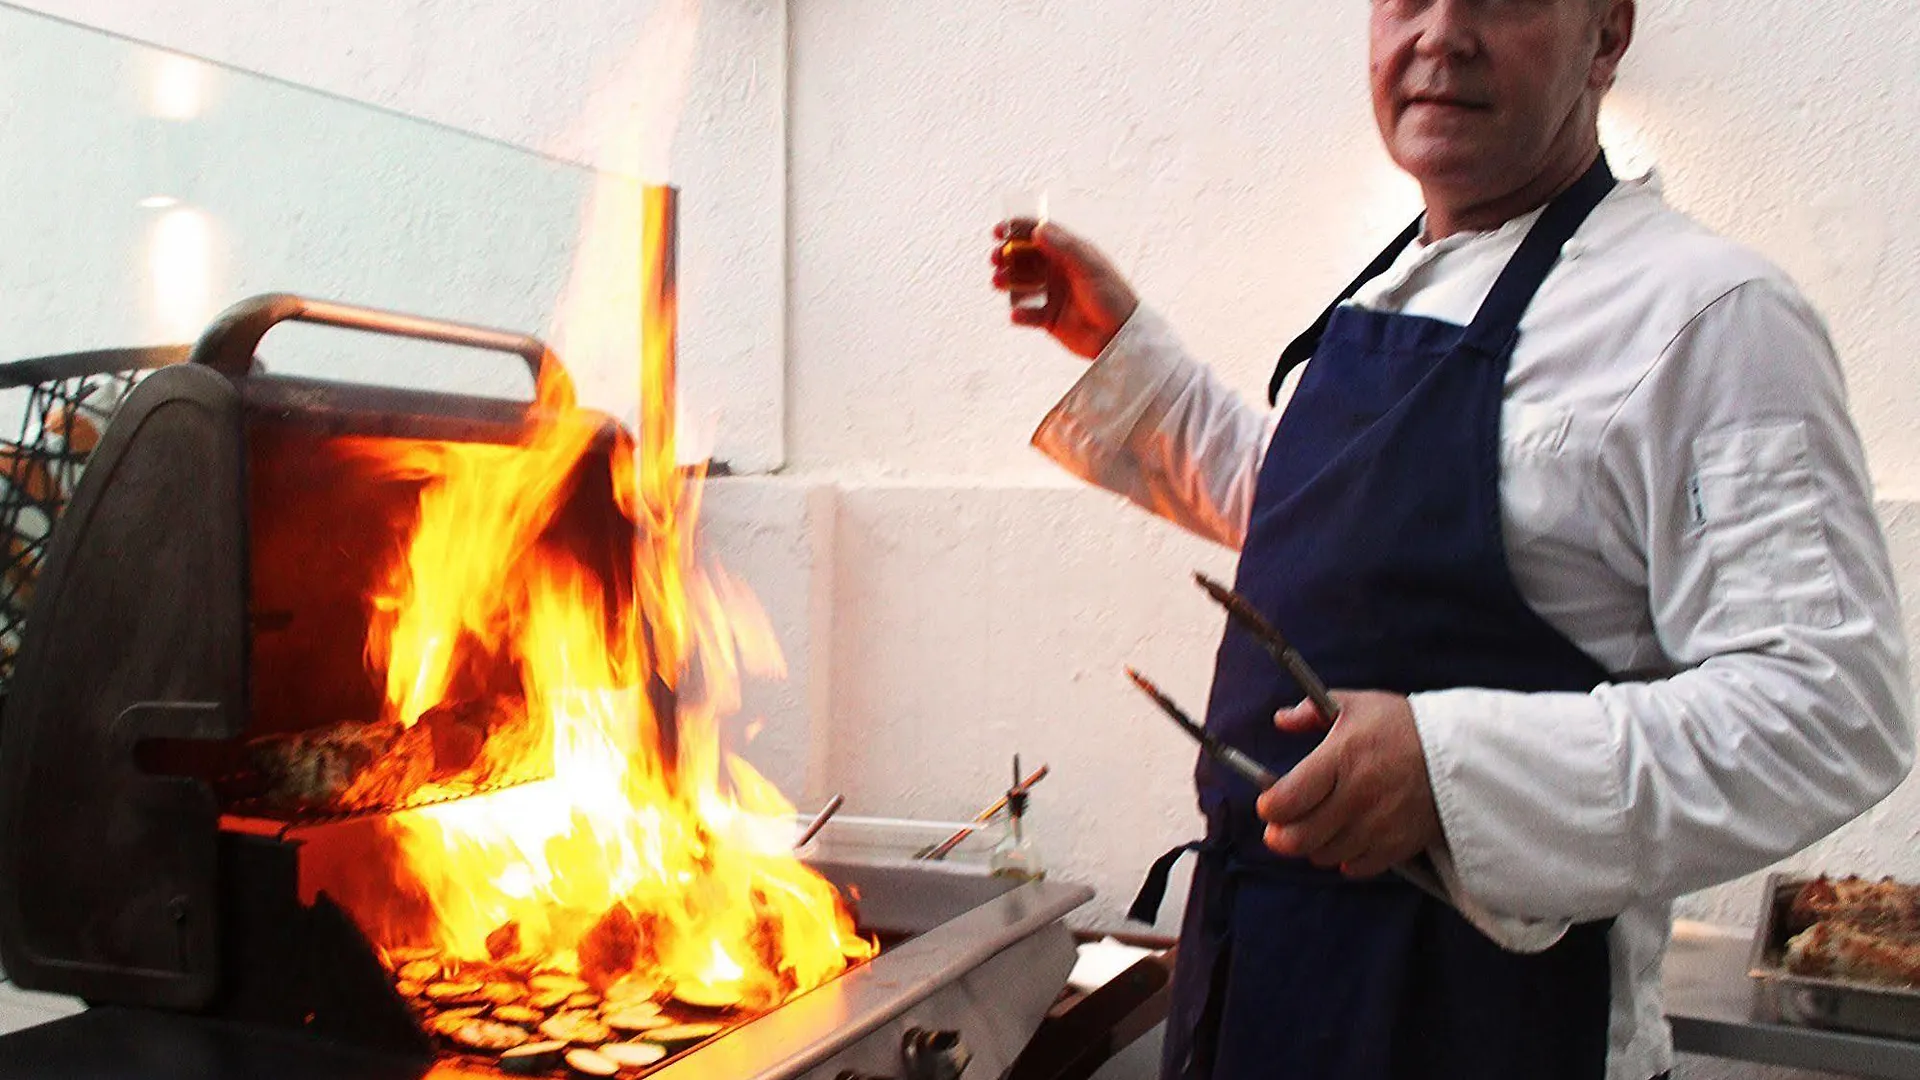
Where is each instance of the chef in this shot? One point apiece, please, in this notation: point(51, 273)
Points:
point(1566, 495)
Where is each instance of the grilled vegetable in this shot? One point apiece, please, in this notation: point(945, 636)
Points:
point(420, 971)
point(635, 1019)
point(632, 989)
point(447, 1022)
point(503, 993)
point(576, 1026)
point(634, 1055)
point(591, 1063)
point(553, 980)
point(676, 1035)
point(488, 1036)
point(455, 993)
point(530, 1059)
point(518, 1014)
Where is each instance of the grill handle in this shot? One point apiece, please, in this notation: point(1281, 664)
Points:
point(80, 365)
point(229, 342)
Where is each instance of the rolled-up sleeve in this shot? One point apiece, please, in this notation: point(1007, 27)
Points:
point(1149, 423)
point(1732, 483)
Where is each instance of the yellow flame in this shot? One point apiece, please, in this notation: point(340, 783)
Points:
point(629, 863)
point(626, 863)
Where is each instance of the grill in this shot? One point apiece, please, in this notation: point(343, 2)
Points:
point(185, 831)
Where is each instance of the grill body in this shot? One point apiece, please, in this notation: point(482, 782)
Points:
point(977, 963)
point(206, 586)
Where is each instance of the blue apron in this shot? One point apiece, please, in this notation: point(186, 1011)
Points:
point(1375, 543)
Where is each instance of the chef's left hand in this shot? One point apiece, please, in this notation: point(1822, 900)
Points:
point(1361, 800)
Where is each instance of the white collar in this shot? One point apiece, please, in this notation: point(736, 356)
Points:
point(1648, 180)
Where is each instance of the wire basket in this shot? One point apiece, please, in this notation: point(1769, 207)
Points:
point(70, 400)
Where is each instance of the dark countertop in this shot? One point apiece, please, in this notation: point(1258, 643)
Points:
point(1710, 1001)
point(129, 1044)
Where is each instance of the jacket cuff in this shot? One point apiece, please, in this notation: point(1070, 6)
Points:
point(1087, 431)
point(1530, 794)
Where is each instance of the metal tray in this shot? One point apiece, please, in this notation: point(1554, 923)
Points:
point(1841, 1004)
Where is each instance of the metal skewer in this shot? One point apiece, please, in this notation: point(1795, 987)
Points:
point(940, 850)
point(820, 820)
point(1252, 771)
point(1276, 644)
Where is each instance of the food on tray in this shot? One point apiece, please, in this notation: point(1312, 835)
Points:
point(591, 1063)
point(633, 1055)
point(531, 1058)
point(633, 1021)
point(576, 1026)
point(1884, 906)
point(1837, 950)
point(1853, 928)
point(490, 1036)
point(518, 1014)
point(682, 1034)
point(456, 993)
point(543, 1022)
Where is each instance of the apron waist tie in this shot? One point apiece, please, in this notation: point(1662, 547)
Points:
point(1230, 839)
point(1153, 890)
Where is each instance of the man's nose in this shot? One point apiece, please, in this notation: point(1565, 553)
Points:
point(1448, 30)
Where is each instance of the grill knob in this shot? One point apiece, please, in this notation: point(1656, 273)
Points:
point(934, 1055)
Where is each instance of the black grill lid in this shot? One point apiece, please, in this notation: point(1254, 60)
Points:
point(140, 628)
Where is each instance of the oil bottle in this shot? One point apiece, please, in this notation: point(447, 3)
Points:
point(1016, 855)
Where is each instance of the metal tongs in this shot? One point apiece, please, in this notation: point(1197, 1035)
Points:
point(1510, 932)
point(1277, 646)
point(1283, 653)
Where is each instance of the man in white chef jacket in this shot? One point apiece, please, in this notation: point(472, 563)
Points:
point(1568, 500)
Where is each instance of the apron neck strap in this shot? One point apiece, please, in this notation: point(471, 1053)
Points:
point(1300, 349)
point(1497, 326)
point(1498, 321)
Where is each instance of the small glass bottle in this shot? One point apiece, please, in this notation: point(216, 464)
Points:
point(1016, 855)
point(1026, 267)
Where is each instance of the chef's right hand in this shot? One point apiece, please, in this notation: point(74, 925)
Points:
point(1087, 299)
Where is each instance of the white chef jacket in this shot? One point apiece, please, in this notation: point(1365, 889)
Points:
point(1685, 498)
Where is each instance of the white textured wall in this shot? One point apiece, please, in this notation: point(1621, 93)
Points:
point(275, 189)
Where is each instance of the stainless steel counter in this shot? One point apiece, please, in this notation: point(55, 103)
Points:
point(1713, 1010)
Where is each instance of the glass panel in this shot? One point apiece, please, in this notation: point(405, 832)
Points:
point(146, 191)
point(143, 191)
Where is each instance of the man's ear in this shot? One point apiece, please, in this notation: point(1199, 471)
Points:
point(1616, 33)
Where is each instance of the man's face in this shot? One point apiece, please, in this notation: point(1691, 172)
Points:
point(1477, 97)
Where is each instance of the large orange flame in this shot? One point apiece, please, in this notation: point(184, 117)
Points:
point(663, 859)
